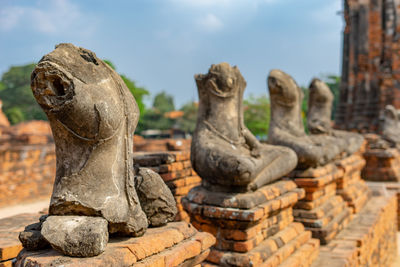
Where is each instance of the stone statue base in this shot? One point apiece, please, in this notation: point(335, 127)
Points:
point(252, 228)
point(383, 165)
point(176, 244)
point(350, 186)
point(321, 211)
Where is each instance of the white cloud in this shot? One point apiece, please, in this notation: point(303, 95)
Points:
point(210, 22)
point(48, 17)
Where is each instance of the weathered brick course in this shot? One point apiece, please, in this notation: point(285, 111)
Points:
point(368, 240)
point(176, 244)
point(370, 63)
point(252, 229)
point(26, 172)
point(176, 170)
point(322, 211)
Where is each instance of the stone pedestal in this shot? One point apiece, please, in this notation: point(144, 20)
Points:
point(321, 211)
point(382, 165)
point(252, 228)
point(176, 170)
point(350, 186)
point(176, 244)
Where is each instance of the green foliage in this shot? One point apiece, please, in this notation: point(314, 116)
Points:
point(15, 115)
point(109, 63)
point(138, 92)
point(257, 115)
point(154, 118)
point(163, 102)
point(188, 121)
point(16, 94)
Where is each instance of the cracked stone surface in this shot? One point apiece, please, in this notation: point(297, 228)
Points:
point(93, 116)
point(225, 154)
point(78, 236)
point(155, 198)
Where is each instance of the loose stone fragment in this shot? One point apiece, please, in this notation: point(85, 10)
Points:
point(155, 197)
point(31, 238)
point(78, 236)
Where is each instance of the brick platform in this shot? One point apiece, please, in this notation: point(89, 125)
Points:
point(156, 145)
point(176, 244)
point(9, 231)
point(321, 211)
point(350, 186)
point(391, 187)
point(252, 228)
point(383, 165)
point(369, 240)
point(176, 170)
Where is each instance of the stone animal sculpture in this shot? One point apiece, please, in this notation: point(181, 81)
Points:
point(225, 154)
point(389, 126)
point(97, 190)
point(319, 113)
point(286, 126)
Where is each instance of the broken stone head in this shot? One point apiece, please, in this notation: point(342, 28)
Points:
point(225, 154)
point(319, 117)
point(96, 191)
point(286, 127)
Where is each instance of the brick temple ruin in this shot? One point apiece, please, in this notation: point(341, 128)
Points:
point(319, 212)
point(370, 63)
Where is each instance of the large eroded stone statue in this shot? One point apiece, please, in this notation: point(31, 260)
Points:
point(319, 113)
point(225, 154)
point(93, 117)
point(286, 126)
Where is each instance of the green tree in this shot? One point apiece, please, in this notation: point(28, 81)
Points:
point(154, 118)
point(257, 115)
point(138, 92)
point(163, 102)
point(188, 121)
point(16, 94)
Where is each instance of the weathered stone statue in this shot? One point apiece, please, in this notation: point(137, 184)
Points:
point(93, 117)
point(319, 117)
point(225, 154)
point(389, 126)
point(286, 126)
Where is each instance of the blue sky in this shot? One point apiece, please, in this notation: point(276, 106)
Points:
point(161, 44)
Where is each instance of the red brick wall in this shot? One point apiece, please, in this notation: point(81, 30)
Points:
point(371, 63)
point(26, 172)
